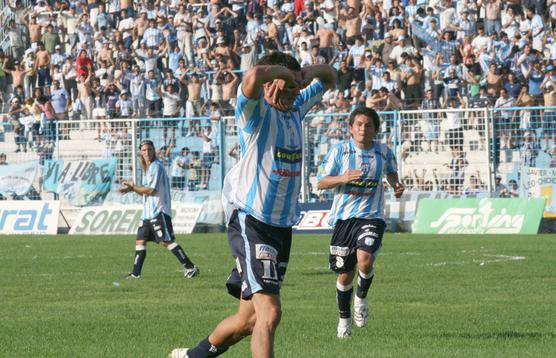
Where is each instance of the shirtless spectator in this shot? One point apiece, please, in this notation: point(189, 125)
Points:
point(42, 67)
point(85, 103)
point(229, 90)
point(327, 40)
point(193, 104)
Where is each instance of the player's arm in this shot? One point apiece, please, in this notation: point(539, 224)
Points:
point(329, 171)
point(129, 186)
point(395, 183)
point(252, 85)
point(392, 174)
point(331, 181)
point(325, 73)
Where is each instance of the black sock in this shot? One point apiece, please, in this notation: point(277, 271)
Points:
point(205, 350)
point(364, 283)
point(343, 296)
point(140, 255)
point(180, 254)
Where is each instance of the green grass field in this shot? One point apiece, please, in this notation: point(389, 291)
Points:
point(452, 296)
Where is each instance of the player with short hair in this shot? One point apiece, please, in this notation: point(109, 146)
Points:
point(354, 169)
point(156, 224)
point(261, 197)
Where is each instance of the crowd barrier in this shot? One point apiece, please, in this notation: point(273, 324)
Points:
point(457, 152)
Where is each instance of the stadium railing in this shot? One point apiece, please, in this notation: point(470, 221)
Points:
point(437, 150)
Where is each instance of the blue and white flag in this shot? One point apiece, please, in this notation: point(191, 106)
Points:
point(17, 178)
point(82, 183)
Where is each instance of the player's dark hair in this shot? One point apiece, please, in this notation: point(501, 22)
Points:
point(368, 112)
point(280, 59)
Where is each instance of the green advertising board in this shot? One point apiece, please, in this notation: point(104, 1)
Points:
point(479, 216)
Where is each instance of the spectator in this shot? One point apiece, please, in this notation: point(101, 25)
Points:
point(505, 117)
point(528, 150)
point(180, 167)
point(499, 188)
point(475, 186)
point(431, 124)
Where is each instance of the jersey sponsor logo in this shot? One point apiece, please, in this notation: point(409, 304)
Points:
point(265, 252)
point(339, 250)
point(287, 173)
point(288, 156)
point(360, 193)
point(364, 183)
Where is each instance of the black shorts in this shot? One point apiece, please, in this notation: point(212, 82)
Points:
point(262, 253)
point(352, 235)
point(159, 229)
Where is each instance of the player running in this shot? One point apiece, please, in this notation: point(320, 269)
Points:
point(261, 197)
point(354, 169)
point(156, 224)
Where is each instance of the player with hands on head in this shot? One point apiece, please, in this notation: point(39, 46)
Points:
point(260, 197)
point(354, 170)
point(156, 220)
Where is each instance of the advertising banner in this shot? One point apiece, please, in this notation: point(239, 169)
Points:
point(125, 219)
point(314, 216)
point(478, 216)
point(29, 217)
point(541, 183)
point(17, 178)
point(211, 202)
point(82, 183)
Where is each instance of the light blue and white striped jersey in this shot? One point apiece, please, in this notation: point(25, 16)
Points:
point(362, 198)
point(157, 179)
point(266, 181)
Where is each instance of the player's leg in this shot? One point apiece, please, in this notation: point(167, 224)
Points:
point(342, 260)
point(268, 313)
point(365, 263)
point(139, 260)
point(227, 333)
point(144, 233)
point(164, 231)
point(344, 292)
point(368, 247)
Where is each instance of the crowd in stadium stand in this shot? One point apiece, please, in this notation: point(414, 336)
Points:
point(175, 58)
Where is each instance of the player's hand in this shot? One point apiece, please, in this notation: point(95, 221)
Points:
point(398, 190)
point(127, 186)
point(351, 175)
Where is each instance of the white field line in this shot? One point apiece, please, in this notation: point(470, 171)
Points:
point(488, 259)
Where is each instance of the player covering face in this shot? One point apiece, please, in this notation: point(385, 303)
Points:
point(354, 170)
point(261, 194)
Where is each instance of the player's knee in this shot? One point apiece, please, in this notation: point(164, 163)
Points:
point(246, 327)
point(271, 317)
point(345, 278)
point(366, 267)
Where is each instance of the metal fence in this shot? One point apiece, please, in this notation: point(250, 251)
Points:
point(454, 151)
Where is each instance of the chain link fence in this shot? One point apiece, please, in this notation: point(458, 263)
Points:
point(454, 151)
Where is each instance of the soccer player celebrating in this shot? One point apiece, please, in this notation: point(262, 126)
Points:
point(354, 169)
point(156, 224)
point(261, 197)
